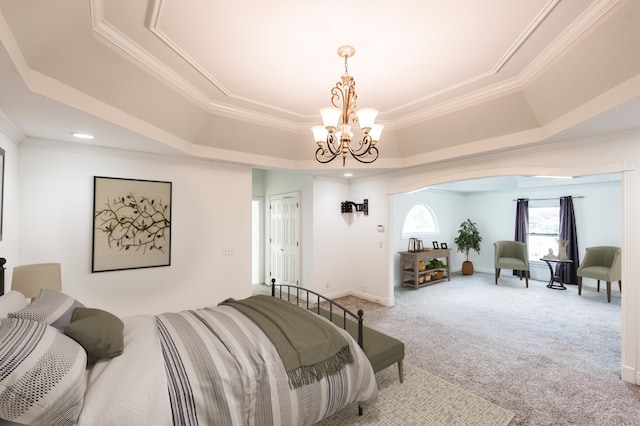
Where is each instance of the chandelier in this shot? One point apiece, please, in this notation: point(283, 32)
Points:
point(334, 137)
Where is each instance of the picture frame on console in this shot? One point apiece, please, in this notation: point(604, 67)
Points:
point(435, 245)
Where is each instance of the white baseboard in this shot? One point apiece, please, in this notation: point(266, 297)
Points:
point(630, 375)
point(384, 301)
point(337, 294)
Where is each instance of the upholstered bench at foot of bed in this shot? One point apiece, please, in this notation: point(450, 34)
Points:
point(381, 349)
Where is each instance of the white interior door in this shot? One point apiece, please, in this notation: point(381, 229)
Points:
point(285, 238)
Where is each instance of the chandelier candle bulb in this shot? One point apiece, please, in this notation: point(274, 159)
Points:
point(319, 134)
point(330, 117)
point(367, 118)
point(375, 132)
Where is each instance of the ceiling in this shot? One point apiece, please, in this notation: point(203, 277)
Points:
point(242, 82)
point(520, 183)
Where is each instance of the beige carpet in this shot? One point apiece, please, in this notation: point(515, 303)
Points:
point(423, 399)
point(551, 357)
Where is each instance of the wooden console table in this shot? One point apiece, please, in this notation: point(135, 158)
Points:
point(410, 272)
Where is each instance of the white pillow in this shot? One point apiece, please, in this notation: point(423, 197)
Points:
point(50, 306)
point(11, 302)
point(43, 374)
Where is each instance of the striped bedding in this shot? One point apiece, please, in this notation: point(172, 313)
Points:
point(212, 366)
point(222, 369)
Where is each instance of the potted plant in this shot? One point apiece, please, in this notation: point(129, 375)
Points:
point(439, 267)
point(436, 264)
point(468, 239)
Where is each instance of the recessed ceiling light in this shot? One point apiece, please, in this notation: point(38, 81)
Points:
point(348, 174)
point(81, 135)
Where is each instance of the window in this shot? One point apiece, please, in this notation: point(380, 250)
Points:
point(420, 220)
point(544, 225)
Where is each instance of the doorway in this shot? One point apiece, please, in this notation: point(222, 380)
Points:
point(628, 302)
point(284, 238)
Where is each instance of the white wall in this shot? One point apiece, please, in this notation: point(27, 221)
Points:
point(211, 210)
point(257, 189)
point(370, 249)
point(9, 246)
point(333, 241)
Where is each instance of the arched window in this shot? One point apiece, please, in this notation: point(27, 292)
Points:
point(419, 220)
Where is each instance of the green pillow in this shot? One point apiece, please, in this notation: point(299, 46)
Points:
point(99, 332)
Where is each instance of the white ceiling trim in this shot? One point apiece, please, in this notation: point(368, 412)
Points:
point(464, 101)
point(155, 30)
point(494, 91)
point(11, 45)
point(118, 41)
point(438, 110)
point(579, 27)
point(552, 52)
point(546, 10)
point(10, 129)
point(472, 149)
point(618, 95)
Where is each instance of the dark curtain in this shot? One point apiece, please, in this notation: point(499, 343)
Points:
point(522, 222)
point(568, 232)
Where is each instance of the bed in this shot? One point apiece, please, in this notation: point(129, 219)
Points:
point(234, 363)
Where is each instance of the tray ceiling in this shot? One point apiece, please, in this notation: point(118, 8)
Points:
point(243, 81)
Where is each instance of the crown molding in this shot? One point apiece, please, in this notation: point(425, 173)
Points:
point(115, 39)
point(10, 129)
point(579, 27)
point(118, 41)
point(541, 62)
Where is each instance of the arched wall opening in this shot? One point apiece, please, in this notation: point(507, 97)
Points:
point(629, 302)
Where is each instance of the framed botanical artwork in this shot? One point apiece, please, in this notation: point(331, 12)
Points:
point(131, 224)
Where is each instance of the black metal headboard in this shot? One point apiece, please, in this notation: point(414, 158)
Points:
point(2, 268)
point(293, 291)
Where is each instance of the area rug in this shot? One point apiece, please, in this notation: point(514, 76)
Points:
point(423, 399)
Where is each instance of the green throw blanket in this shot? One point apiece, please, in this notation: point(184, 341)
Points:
point(310, 347)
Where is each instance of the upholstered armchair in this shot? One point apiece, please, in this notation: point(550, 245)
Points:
point(511, 255)
point(601, 263)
